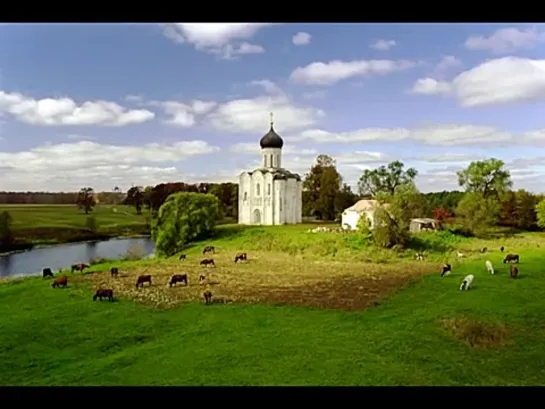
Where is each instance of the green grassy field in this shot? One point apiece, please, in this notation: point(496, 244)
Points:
point(43, 224)
point(301, 315)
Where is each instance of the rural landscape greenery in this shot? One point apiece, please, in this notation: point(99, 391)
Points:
point(308, 308)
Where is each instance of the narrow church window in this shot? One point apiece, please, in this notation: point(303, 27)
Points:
point(269, 189)
point(280, 204)
point(245, 196)
point(258, 189)
point(271, 162)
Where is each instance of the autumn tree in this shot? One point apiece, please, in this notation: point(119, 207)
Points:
point(525, 210)
point(184, 217)
point(135, 197)
point(86, 199)
point(320, 188)
point(385, 179)
point(487, 177)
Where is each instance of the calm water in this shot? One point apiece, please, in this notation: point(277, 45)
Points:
point(62, 256)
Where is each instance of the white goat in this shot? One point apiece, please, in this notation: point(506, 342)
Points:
point(467, 282)
point(489, 266)
point(460, 255)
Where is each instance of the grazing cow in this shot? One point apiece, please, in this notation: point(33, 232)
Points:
point(209, 249)
point(208, 262)
point(459, 255)
point(484, 250)
point(489, 266)
point(178, 278)
point(182, 257)
point(46, 272)
point(143, 279)
point(104, 293)
point(419, 256)
point(241, 257)
point(114, 271)
point(511, 257)
point(207, 297)
point(202, 279)
point(467, 282)
point(502, 248)
point(447, 269)
point(60, 282)
point(79, 267)
point(514, 271)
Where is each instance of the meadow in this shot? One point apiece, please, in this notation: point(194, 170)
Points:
point(306, 309)
point(54, 224)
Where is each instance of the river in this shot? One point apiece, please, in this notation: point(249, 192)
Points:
point(32, 262)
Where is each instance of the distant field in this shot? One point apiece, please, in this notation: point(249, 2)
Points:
point(376, 317)
point(62, 223)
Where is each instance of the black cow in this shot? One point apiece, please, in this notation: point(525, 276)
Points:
point(178, 278)
point(114, 271)
point(209, 249)
point(446, 269)
point(511, 257)
point(46, 272)
point(208, 262)
point(104, 293)
point(182, 257)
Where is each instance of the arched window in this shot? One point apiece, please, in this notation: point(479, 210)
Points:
point(271, 159)
point(265, 161)
point(245, 196)
point(269, 189)
point(257, 189)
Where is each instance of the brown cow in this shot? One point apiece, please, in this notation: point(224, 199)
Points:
point(60, 282)
point(79, 267)
point(209, 249)
point(143, 279)
point(514, 271)
point(511, 257)
point(241, 257)
point(178, 278)
point(114, 271)
point(208, 262)
point(104, 293)
point(207, 297)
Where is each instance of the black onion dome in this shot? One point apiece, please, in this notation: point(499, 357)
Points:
point(271, 140)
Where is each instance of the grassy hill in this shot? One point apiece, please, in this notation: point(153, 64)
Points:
point(307, 309)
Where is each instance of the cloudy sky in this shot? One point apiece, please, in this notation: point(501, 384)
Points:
point(117, 105)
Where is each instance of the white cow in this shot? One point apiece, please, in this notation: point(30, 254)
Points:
point(467, 282)
point(489, 266)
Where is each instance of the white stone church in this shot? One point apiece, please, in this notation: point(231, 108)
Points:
point(270, 195)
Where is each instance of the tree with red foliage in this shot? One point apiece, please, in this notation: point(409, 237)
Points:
point(440, 214)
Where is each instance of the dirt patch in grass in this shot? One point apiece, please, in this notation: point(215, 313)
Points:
point(481, 335)
point(268, 279)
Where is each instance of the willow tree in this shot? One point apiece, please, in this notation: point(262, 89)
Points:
point(183, 218)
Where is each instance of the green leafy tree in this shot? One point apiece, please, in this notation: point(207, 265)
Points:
point(183, 218)
point(344, 199)
point(487, 177)
point(385, 179)
point(540, 213)
point(477, 213)
point(86, 199)
point(6, 231)
point(135, 197)
point(320, 188)
point(525, 210)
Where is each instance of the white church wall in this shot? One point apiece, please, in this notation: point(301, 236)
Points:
point(271, 158)
point(244, 198)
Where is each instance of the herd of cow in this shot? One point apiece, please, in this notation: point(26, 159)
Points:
point(468, 280)
point(62, 282)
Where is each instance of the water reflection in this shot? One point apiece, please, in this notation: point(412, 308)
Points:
point(32, 262)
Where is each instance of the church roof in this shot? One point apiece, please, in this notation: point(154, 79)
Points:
point(278, 173)
point(271, 140)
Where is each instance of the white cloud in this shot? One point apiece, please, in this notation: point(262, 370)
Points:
point(439, 134)
point(494, 82)
point(449, 158)
point(301, 38)
point(313, 95)
point(320, 73)
point(70, 166)
point(269, 87)
point(252, 115)
point(66, 112)
point(182, 114)
point(505, 40)
point(76, 137)
point(383, 45)
point(447, 64)
point(224, 39)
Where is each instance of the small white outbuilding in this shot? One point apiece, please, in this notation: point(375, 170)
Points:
point(363, 208)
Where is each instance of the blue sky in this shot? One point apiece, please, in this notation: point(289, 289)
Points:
point(107, 105)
